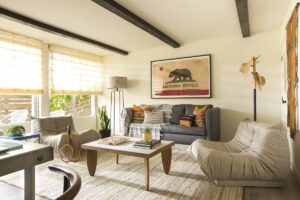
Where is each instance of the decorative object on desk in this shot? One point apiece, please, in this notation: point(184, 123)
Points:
point(116, 84)
point(104, 122)
point(11, 145)
point(146, 145)
point(114, 140)
point(147, 135)
point(15, 130)
point(185, 77)
point(258, 80)
point(68, 152)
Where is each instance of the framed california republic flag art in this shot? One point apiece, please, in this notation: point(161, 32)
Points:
point(187, 77)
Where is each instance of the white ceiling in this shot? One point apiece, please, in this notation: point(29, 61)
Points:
point(183, 20)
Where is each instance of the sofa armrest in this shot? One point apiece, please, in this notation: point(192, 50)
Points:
point(126, 118)
point(212, 117)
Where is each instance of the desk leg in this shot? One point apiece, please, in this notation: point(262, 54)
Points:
point(91, 157)
point(29, 191)
point(146, 168)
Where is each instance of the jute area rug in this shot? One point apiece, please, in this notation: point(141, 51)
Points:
point(126, 180)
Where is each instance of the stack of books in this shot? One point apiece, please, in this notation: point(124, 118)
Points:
point(114, 140)
point(146, 145)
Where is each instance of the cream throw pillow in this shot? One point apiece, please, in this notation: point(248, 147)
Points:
point(154, 117)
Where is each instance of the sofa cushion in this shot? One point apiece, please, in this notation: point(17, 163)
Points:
point(189, 108)
point(177, 129)
point(177, 112)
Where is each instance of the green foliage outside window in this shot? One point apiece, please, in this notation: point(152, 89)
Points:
point(60, 102)
point(64, 102)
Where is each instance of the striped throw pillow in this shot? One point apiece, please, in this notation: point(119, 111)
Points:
point(199, 116)
point(154, 117)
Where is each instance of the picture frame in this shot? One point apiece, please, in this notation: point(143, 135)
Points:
point(184, 77)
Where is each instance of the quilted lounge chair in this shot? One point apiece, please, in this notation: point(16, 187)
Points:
point(257, 156)
point(53, 131)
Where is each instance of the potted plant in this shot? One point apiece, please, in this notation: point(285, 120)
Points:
point(15, 130)
point(104, 122)
point(147, 135)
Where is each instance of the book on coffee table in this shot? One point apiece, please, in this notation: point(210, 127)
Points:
point(146, 145)
point(114, 140)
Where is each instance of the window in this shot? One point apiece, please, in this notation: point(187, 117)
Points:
point(21, 77)
point(15, 109)
point(75, 78)
point(20, 64)
point(75, 72)
point(77, 105)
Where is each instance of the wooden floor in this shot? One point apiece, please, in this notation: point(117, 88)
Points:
point(290, 192)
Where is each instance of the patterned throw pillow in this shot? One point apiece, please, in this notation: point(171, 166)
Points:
point(186, 120)
point(154, 117)
point(138, 113)
point(199, 116)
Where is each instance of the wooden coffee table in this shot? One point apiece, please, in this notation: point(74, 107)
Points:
point(165, 148)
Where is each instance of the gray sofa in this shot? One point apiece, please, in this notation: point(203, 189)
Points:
point(170, 130)
point(53, 131)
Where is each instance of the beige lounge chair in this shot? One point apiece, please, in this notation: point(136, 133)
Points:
point(53, 131)
point(258, 156)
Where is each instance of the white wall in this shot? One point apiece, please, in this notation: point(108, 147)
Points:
point(294, 144)
point(231, 91)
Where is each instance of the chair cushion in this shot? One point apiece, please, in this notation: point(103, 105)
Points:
point(43, 126)
point(62, 123)
point(177, 129)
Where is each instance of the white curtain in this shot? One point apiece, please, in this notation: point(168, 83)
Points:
point(75, 72)
point(20, 64)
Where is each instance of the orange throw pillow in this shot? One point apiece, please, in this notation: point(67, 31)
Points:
point(185, 123)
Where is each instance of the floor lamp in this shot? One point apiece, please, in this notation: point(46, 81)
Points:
point(116, 84)
point(258, 81)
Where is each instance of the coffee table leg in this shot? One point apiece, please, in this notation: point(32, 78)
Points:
point(117, 158)
point(91, 157)
point(146, 166)
point(166, 157)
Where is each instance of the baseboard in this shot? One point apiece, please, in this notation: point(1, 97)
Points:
point(295, 172)
point(250, 183)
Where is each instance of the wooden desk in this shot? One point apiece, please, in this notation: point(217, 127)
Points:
point(25, 159)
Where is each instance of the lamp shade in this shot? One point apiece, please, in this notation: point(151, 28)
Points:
point(116, 82)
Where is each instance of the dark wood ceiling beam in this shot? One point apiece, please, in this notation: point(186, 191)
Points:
point(55, 30)
point(242, 10)
point(127, 15)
